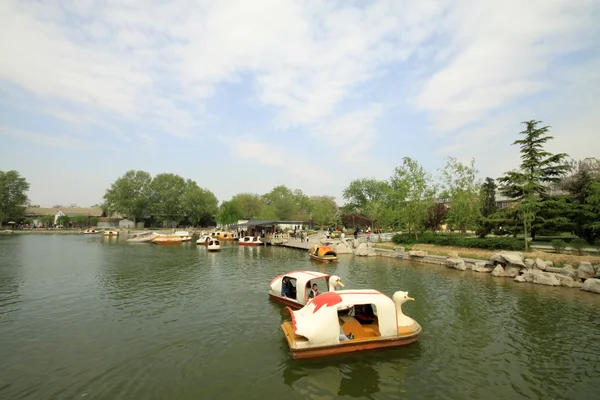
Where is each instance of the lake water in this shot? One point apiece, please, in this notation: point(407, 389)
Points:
point(95, 318)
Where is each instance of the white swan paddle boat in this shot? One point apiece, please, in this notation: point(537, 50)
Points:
point(203, 241)
point(90, 231)
point(302, 282)
point(214, 245)
point(347, 321)
point(250, 241)
point(111, 233)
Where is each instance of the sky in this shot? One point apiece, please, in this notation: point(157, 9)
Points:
point(243, 96)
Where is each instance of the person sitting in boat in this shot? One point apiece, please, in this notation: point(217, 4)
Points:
point(314, 292)
point(287, 289)
point(364, 314)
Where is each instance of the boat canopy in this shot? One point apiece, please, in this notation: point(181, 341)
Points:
point(301, 277)
point(318, 321)
point(323, 251)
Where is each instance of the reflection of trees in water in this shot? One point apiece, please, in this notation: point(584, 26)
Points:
point(359, 374)
point(139, 277)
point(12, 253)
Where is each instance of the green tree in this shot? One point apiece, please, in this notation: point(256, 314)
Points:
point(47, 220)
point(324, 209)
point(268, 212)
point(166, 196)
point(284, 202)
point(412, 194)
point(94, 221)
point(488, 207)
point(63, 220)
point(463, 187)
point(530, 183)
point(527, 209)
point(80, 220)
point(250, 204)
point(129, 195)
point(13, 189)
point(362, 192)
point(593, 200)
point(198, 203)
point(304, 203)
point(579, 184)
point(229, 213)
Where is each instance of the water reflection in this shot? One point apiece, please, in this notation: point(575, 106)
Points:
point(358, 375)
point(115, 320)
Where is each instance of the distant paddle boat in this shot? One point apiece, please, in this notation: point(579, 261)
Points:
point(143, 237)
point(214, 245)
point(203, 241)
point(90, 232)
point(185, 236)
point(349, 321)
point(226, 236)
point(111, 233)
point(250, 241)
point(301, 282)
point(323, 254)
point(167, 239)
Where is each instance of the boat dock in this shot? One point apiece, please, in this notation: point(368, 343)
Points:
point(298, 244)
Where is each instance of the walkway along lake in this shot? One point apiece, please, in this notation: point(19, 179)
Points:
point(98, 318)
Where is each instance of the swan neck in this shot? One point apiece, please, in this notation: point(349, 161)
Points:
point(399, 314)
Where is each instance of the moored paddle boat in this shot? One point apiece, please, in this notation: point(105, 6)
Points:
point(339, 322)
point(111, 233)
point(185, 236)
point(250, 241)
point(301, 283)
point(90, 231)
point(214, 245)
point(143, 237)
point(226, 236)
point(203, 241)
point(323, 254)
point(167, 239)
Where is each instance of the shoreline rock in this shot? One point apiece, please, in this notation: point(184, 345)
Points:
point(507, 264)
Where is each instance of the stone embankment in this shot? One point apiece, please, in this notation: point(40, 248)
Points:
point(508, 264)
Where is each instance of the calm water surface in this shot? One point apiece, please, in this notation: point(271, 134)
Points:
point(95, 318)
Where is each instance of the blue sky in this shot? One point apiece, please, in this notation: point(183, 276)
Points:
point(243, 96)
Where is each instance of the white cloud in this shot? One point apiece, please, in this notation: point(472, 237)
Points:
point(158, 64)
point(500, 52)
point(351, 133)
point(56, 140)
point(252, 149)
point(132, 67)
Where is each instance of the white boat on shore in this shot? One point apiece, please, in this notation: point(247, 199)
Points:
point(185, 236)
point(143, 237)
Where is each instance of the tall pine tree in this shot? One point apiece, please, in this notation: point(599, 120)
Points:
point(530, 184)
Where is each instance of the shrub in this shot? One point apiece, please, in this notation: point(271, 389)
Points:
point(499, 243)
point(578, 245)
point(559, 245)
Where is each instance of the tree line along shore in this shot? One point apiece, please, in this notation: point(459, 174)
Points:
point(545, 195)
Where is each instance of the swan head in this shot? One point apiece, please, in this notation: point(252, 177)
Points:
point(335, 281)
point(401, 298)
